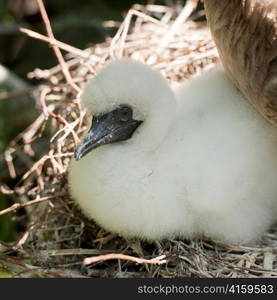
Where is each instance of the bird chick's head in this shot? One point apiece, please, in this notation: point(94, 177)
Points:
point(126, 82)
point(120, 98)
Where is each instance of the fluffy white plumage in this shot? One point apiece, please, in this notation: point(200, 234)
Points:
point(203, 162)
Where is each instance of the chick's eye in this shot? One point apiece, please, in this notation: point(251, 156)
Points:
point(125, 114)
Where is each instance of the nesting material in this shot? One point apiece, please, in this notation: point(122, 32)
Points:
point(57, 235)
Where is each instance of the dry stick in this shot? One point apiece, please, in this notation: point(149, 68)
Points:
point(63, 252)
point(181, 19)
point(9, 161)
point(4, 189)
point(123, 30)
point(25, 236)
point(68, 127)
point(27, 136)
point(55, 48)
point(45, 74)
point(73, 50)
point(42, 97)
point(16, 206)
point(157, 260)
point(41, 162)
point(21, 241)
point(156, 8)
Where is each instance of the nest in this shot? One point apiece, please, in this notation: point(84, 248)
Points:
point(57, 237)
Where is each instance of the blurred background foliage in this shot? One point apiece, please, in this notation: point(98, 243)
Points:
point(78, 23)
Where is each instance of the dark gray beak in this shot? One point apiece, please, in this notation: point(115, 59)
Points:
point(115, 126)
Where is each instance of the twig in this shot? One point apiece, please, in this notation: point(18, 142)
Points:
point(42, 96)
point(24, 237)
point(157, 260)
point(41, 162)
point(9, 161)
point(16, 206)
point(181, 19)
point(55, 48)
point(124, 28)
point(63, 252)
point(73, 50)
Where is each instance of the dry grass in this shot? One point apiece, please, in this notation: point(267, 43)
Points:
point(58, 237)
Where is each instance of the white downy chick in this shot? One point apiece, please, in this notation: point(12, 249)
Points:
point(157, 164)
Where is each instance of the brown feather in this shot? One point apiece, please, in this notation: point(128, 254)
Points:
point(245, 32)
